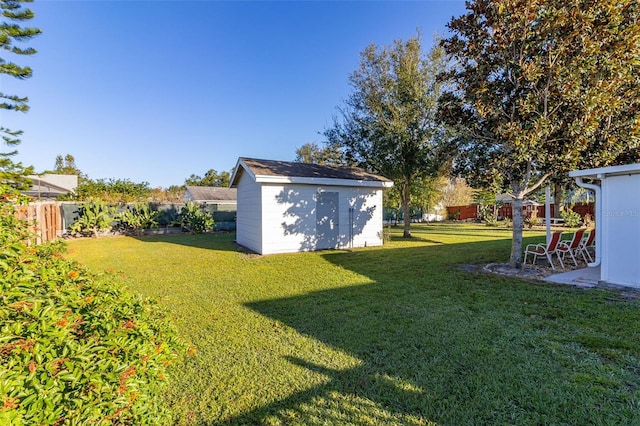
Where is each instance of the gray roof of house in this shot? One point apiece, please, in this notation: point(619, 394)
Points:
point(306, 170)
point(211, 193)
point(51, 185)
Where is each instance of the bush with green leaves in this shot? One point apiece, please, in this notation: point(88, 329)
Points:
point(136, 218)
point(571, 219)
point(75, 347)
point(532, 219)
point(95, 216)
point(195, 219)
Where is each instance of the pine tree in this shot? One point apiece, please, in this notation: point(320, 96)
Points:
point(13, 15)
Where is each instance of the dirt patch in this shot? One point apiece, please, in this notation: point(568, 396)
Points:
point(539, 273)
point(535, 272)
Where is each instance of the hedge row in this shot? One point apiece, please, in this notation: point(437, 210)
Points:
point(75, 347)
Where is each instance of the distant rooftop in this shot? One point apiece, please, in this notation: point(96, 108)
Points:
point(211, 193)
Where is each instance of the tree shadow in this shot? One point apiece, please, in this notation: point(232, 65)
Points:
point(221, 241)
point(315, 220)
point(436, 345)
point(406, 370)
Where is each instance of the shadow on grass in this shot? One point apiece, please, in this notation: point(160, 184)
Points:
point(224, 241)
point(440, 345)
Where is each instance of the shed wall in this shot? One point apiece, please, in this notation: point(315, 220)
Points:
point(249, 217)
point(621, 230)
point(289, 217)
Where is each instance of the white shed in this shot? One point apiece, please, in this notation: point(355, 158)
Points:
point(289, 207)
point(617, 214)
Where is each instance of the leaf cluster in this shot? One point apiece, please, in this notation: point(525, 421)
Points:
point(388, 122)
point(195, 219)
point(75, 347)
point(210, 178)
point(543, 87)
point(110, 190)
point(13, 14)
point(95, 216)
point(136, 218)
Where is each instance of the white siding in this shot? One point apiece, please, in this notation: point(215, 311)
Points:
point(367, 217)
point(621, 230)
point(248, 219)
point(289, 217)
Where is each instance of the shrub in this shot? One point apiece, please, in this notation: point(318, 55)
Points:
point(571, 218)
point(95, 216)
point(75, 347)
point(532, 219)
point(134, 219)
point(194, 219)
point(588, 220)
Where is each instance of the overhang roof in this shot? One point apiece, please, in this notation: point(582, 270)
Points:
point(603, 172)
point(273, 171)
point(212, 193)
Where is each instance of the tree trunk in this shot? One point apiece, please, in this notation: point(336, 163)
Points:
point(558, 200)
point(406, 197)
point(515, 260)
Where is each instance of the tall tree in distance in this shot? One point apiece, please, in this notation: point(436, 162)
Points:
point(388, 124)
point(542, 87)
point(211, 178)
point(13, 14)
point(312, 153)
point(66, 166)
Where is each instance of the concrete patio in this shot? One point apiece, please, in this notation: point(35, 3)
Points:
point(583, 277)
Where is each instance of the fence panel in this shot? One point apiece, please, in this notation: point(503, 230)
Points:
point(463, 212)
point(46, 220)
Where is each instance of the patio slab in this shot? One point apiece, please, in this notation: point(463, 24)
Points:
point(583, 277)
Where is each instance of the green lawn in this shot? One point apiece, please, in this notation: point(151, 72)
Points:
point(393, 335)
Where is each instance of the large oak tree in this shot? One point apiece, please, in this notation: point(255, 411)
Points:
point(388, 123)
point(543, 87)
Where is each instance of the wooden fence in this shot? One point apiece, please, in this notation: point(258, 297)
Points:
point(46, 220)
point(506, 211)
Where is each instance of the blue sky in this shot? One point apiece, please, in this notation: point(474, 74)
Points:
point(158, 90)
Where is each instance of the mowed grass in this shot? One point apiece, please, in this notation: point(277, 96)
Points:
point(391, 335)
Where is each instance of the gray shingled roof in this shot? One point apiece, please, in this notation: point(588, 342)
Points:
point(212, 193)
point(305, 170)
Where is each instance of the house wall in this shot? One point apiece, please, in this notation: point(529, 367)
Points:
point(289, 217)
point(249, 216)
point(621, 230)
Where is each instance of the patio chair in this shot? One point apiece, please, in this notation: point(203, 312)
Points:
point(588, 241)
point(571, 246)
point(545, 250)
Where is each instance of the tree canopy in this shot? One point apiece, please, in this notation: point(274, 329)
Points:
point(12, 34)
point(66, 166)
point(312, 153)
point(542, 87)
point(211, 178)
point(388, 123)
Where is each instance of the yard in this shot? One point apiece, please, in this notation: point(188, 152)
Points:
point(390, 335)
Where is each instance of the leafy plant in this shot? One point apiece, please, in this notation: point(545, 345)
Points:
point(195, 219)
point(75, 347)
point(134, 219)
point(95, 217)
point(532, 219)
point(571, 218)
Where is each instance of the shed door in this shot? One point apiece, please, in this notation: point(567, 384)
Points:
point(327, 220)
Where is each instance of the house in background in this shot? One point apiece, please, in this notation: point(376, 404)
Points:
point(220, 199)
point(51, 186)
point(617, 218)
point(290, 207)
